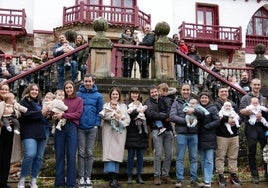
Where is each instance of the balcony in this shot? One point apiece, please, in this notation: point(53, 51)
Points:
point(118, 16)
point(205, 35)
point(12, 22)
point(253, 40)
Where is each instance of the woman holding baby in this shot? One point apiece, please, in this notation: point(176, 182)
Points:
point(137, 141)
point(113, 141)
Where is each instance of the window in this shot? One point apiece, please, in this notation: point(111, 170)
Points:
point(207, 14)
point(206, 18)
point(258, 25)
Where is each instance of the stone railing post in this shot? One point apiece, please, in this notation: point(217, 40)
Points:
point(260, 65)
point(164, 49)
point(100, 50)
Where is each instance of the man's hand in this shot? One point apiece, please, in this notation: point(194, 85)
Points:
point(231, 121)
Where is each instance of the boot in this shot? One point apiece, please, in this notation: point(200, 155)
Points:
point(113, 183)
point(139, 179)
point(129, 179)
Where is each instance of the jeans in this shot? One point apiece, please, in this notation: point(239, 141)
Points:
point(74, 70)
point(184, 141)
point(86, 141)
point(162, 144)
point(66, 141)
point(130, 160)
point(32, 157)
point(111, 166)
point(61, 70)
point(207, 161)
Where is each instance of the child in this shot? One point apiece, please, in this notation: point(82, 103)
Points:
point(140, 119)
point(191, 119)
point(58, 106)
point(166, 98)
point(47, 104)
point(256, 108)
point(227, 110)
point(10, 112)
point(115, 114)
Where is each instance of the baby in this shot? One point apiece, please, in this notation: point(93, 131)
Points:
point(227, 110)
point(58, 106)
point(140, 119)
point(256, 108)
point(113, 111)
point(191, 119)
point(10, 112)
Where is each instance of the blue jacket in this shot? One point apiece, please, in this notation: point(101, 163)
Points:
point(93, 103)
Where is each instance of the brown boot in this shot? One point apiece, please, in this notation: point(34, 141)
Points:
point(157, 180)
point(167, 180)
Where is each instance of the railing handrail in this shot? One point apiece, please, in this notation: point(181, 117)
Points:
point(20, 16)
point(240, 90)
point(43, 65)
point(114, 14)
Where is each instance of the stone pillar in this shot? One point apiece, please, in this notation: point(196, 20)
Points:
point(100, 50)
point(163, 67)
point(260, 65)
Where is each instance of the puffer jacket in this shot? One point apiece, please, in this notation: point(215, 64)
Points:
point(177, 116)
point(207, 128)
point(93, 103)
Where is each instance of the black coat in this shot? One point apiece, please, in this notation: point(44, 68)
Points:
point(32, 122)
point(222, 130)
point(134, 139)
point(153, 113)
point(207, 128)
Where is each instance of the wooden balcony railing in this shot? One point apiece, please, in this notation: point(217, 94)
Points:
point(211, 34)
point(85, 13)
point(253, 40)
point(12, 19)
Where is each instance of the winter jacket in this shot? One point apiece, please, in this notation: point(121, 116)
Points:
point(134, 139)
point(93, 103)
point(207, 128)
point(153, 114)
point(31, 122)
point(127, 40)
point(177, 116)
point(245, 101)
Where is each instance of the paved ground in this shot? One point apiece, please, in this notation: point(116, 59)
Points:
point(149, 184)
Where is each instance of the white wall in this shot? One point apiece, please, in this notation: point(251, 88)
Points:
point(41, 15)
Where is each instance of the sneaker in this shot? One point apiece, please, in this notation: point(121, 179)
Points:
point(21, 183)
point(161, 131)
point(207, 184)
point(255, 180)
point(235, 180)
point(196, 183)
point(167, 180)
point(81, 182)
point(33, 183)
point(221, 180)
point(88, 182)
point(178, 184)
point(157, 181)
